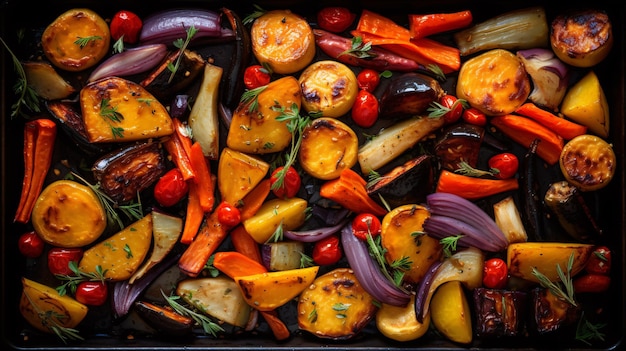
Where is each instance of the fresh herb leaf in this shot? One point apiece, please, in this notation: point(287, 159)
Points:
point(436, 109)
point(72, 281)
point(118, 46)
point(377, 251)
point(249, 19)
point(112, 115)
point(306, 261)
point(207, 324)
point(277, 235)
point(466, 169)
point(182, 46)
point(84, 41)
point(296, 125)
point(27, 97)
point(53, 321)
point(214, 272)
point(449, 244)
point(250, 97)
point(359, 49)
point(439, 75)
point(556, 288)
point(586, 331)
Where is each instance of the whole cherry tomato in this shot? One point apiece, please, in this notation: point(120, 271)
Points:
point(591, 283)
point(365, 223)
point(30, 244)
point(126, 24)
point(365, 109)
point(453, 108)
point(368, 79)
point(327, 251)
point(291, 182)
point(506, 163)
point(474, 116)
point(600, 261)
point(228, 214)
point(170, 188)
point(335, 19)
point(92, 293)
point(256, 76)
point(60, 258)
point(495, 273)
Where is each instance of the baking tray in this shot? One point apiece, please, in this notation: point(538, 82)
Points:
point(102, 333)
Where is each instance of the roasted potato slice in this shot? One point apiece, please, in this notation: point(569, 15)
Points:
point(588, 162)
point(328, 87)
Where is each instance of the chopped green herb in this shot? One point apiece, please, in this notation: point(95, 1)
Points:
point(359, 49)
point(182, 46)
point(84, 41)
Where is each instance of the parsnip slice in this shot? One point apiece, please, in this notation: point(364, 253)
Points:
point(203, 118)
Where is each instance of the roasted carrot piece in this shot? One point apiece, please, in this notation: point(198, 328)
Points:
point(280, 330)
point(349, 191)
point(473, 188)
point(181, 131)
point(561, 126)
point(204, 184)
point(39, 138)
point(235, 264)
point(212, 234)
point(194, 215)
point(254, 199)
point(244, 243)
point(373, 23)
point(175, 147)
point(423, 25)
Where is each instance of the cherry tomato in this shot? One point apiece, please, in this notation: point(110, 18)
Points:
point(453, 106)
point(335, 19)
point(600, 261)
point(474, 116)
point(591, 283)
point(127, 24)
point(30, 244)
point(228, 214)
point(495, 273)
point(365, 109)
point(368, 79)
point(60, 258)
point(256, 76)
point(170, 188)
point(506, 163)
point(327, 251)
point(92, 293)
point(290, 185)
point(365, 223)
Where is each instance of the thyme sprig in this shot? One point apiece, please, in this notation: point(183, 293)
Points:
point(394, 271)
point(182, 46)
point(250, 97)
point(556, 288)
point(27, 96)
point(466, 169)
point(72, 281)
point(585, 330)
point(84, 41)
point(53, 321)
point(359, 49)
point(437, 71)
point(306, 260)
point(111, 114)
point(436, 109)
point(207, 324)
point(258, 12)
point(449, 244)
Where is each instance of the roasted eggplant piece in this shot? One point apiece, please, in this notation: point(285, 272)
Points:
point(160, 82)
point(459, 143)
point(569, 206)
point(409, 94)
point(164, 319)
point(407, 183)
point(125, 172)
point(499, 312)
point(550, 313)
point(232, 85)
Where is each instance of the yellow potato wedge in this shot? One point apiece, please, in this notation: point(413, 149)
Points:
point(290, 213)
point(400, 323)
point(450, 312)
point(238, 173)
point(522, 258)
point(586, 103)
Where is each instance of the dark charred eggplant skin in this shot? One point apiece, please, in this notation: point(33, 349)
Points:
point(500, 313)
point(458, 143)
point(406, 183)
point(550, 313)
point(232, 80)
point(530, 198)
point(409, 94)
point(125, 172)
point(159, 84)
point(569, 206)
point(163, 319)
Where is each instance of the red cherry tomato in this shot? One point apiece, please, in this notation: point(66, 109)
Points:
point(92, 293)
point(290, 185)
point(600, 261)
point(30, 244)
point(60, 258)
point(256, 76)
point(335, 19)
point(365, 223)
point(591, 283)
point(170, 188)
point(228, 214)
point(368, 79)
point(506, 163)
point(327, 251)
point(474, 116)
point(495, 273)
point(127, 24)
point(365, 109)
point(453, 106)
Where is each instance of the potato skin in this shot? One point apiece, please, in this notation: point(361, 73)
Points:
point(329, 87)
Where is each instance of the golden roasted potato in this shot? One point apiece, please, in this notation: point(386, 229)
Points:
point(588, 162)
point(328, 87)
point(238, 173)
point(522, 258)
point(288, 213)
point(585, 103)
point(450, 312)
point(400, 323)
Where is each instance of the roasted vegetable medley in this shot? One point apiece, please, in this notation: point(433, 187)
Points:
point(335, 174)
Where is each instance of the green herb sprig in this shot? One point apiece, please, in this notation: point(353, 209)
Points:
point(207, 324)
point(449, 244)
point(556, 288)
point(359, 49)
point(53, 321)
point(84, 41)
point(466, 169)
point(72, 281)
point(26, 96)
point(258, 12)
point(182, 46)
point(111, 114)
point(395, 271)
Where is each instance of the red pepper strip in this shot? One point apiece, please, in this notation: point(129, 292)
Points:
point(39, 138)
point(244, 243)
point(421, 26)
point(472, 188)
point(194, 215)
point(524, 130)
point(203, 181)
point(211, 235)
point(565, 128)
point(176, 147)
point(349, 191)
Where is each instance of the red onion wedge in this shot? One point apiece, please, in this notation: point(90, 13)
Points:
point(167, 26)
point(131, 61)
point(550, 76)
point(368, 273)
point(442, 226)
point(313, 235)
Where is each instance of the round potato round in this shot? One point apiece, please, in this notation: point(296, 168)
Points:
point(76, 40)
point(328, 87)
point(588, 162)
point(494, 82)
point(328, 147)
point(68, 214)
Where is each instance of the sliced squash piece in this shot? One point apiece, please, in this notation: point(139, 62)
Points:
point(238, 173)
point(450, 312)
point(523, 258)
point(586, 103)
point(288, 213)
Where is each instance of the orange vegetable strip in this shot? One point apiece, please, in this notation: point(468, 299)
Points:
point(473, 188)
point(253, 201)
point(373, 23)
point(194, 215)
point(181, 131)
point(349, 191)
point(175, 147)
point(39, 138)
point(421, 26)
point(235, 264)
point(244, 243)
point(204, 184)
point(524, 130)
point(212, 234)
point(280, 330)
point(565, 128)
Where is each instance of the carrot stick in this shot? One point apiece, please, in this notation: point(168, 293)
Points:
point(194, 215)
point(204, 184)
point(206, 242)
point(561, 126)
point(235, 264)
point(473, 188)
point(349, 191)
point(175, 147)
point(254, 199)
point(182, 134)
point(39, 138)
point(421, 26)
point(245, 243)
point(381, 26)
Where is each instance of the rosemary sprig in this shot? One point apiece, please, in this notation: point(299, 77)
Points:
point(393, 272)
point(250, 97)
point(436, 109)
point(27, 97)
point(258, 12)
point(111, 114)
point(440, 76)
point(72, 281)
point(359, 49)
point(207, 324)
point(118, 46)
point(449, 244)
point(585, 330)
point(306, 261)
point(182, 46)
point(52, 320)
point(466, 169)
point(84, 41)
point(556, 288)
point(277, 235)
